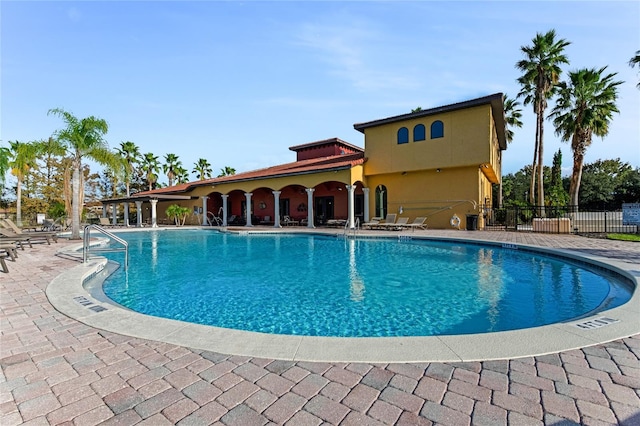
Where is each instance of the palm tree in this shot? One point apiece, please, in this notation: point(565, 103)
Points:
point(23, 158)
point(541, 73)
point(181, 175)
point(202, 169)
point(83, 138)
point(584, 108)
point(170, 166)
point(130, 154)
point(633, 61)
point(5, 154)
point(227, 171)
point(512, 115)
point(151, 167)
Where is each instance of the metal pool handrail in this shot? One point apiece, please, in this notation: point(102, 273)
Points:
point(87, 238)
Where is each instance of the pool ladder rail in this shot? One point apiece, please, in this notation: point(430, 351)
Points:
point(352, 231)
point(87, 239)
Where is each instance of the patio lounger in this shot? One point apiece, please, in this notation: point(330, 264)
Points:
point(388, 220)
point(7, 250)
point(394, 226)
point(7, 236)
point(418, 223)
point(10, 249)
point(9, 224)
point(374, 221)
point(287, 221)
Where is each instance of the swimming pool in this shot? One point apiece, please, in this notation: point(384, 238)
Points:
point(315, 285)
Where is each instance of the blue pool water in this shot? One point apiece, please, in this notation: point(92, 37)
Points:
point(328, 286)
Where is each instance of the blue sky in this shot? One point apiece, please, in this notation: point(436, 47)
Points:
point(238, 83)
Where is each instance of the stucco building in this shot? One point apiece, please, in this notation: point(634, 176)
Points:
point(440, 163)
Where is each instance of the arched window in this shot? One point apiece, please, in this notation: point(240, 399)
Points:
point(381, 201)
point(403, 135)
point(419, 133)
point(437, 129)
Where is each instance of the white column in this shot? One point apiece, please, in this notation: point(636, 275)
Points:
point(224, 209)
point(114, 218)
point(310, 207)
point(351, 189)
point(366, 204)
point(139, 214)
point(276, 212)
point(247, 196)
point(154, 216)
point(126, 214)
point(204, 210)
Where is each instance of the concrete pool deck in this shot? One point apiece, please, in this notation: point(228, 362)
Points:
point(56, 369)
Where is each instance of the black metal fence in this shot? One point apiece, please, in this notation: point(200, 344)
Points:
point(556, 220)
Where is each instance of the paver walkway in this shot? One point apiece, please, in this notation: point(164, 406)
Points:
point(56, 370)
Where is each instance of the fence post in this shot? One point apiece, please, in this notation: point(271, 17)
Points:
point(605, 221)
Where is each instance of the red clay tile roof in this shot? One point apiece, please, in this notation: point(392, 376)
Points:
point(312, 165)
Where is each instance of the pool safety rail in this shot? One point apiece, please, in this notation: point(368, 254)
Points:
point(86, 244)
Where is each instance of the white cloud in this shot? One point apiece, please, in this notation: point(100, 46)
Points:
point(74, 14)
point(352, 53)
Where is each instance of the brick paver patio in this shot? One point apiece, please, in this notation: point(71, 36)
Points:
point(55, 370)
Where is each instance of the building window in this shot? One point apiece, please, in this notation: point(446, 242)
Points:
point(403, 135)
point(437, 129)
point(419, 133)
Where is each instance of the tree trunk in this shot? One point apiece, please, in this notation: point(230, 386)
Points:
point(19, 201)
point(75, 217)
point(67, 188)
point(541, 164)
point(534, 165)
point(576, 175)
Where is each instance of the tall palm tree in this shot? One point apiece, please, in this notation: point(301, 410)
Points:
point(170, 166)
point(23, 158)
point(83, 138)
point(635, 61)
point(227, 171)
point(202, 169)
point(151, 168)
point(512, 115)
point(541, 73)
point(585, 107)
point(130, 154)
point(181, 175)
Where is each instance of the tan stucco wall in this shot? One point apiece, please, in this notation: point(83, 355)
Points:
point(438, 196)
point(465, 143)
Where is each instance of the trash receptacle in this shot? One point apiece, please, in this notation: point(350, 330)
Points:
point(472, 222)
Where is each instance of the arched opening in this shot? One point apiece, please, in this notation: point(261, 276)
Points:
point(381, 201)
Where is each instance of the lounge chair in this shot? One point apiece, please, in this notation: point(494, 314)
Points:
point(388, 220)
point(372, 223)
point(418, 223)
point(8, 223)
point(287, 221)
point(394, 226)
point(106, 223)
point(7, 236)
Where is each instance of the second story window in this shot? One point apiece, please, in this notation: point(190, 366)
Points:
point(403, 135)
point(419, 133)
point(437, 129)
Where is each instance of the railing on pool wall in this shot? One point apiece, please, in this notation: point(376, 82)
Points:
point(354, 230)
point(87, 239)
